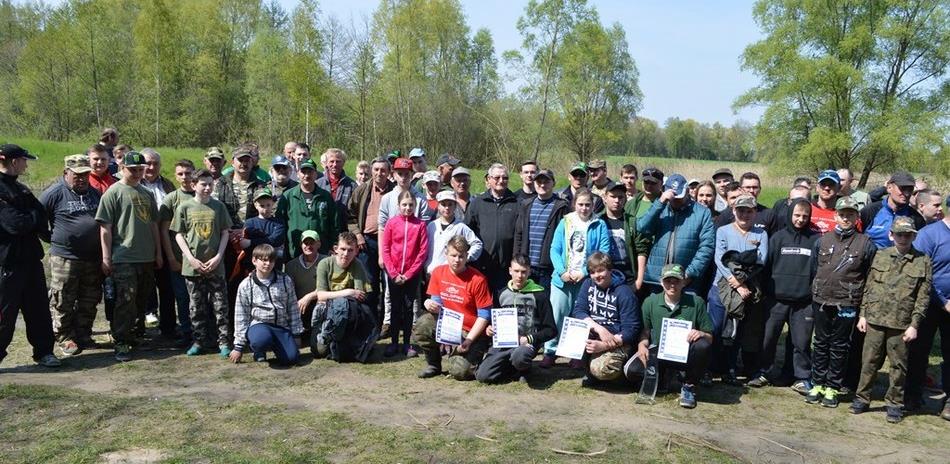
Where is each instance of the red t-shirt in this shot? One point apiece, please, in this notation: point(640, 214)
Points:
point(823, 220)
point(464, 293)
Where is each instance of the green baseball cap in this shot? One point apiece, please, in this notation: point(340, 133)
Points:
point(579, 167)
point(673, 270)
point(308, 164)
point(133, 159)
point(311, 234)
point(263, 193)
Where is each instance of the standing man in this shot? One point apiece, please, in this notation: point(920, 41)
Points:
point(446, 164)
point(629, 175)
point(419, 167)
point(878, 216)
point(577, 179)
point(76, 281)
point(847, 188)
point(491, 216)
point(461, 183)
point(534, 230)
point(308, 207)
point(336, 181)
point(652, 189)
point(363, 223)
point(929, 205)
point(301, 154)
point(722, 177)
point(823, 209)
point(280, 172)
point(184, 175)
point(22, 282)
point(765, 219)
point(599, 180)
point(529, 169)
point(163, 302)
point(241, 186)
point(131, 252)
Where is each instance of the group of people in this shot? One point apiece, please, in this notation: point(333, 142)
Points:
point(244, 259)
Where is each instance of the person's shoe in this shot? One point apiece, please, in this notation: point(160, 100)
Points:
point(260, 357)
point(391, 350)
point(195, 350)
point(830, 400)
point(576, 364)
point(706, 381)
point(945, 414)
point(687, 396)
point(801, 386)
point(151, 320)
point(547, 362)
point(858, 406)
point(894, 414)
point(123, 352)
point(759, 382)
point(411, 352)
point(384, 332)
point(430, 371)
point(815, 394)
point(224, 351)
point(49, 360)
point(70, 348)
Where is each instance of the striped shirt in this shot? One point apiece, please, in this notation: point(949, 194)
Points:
point(538, 226)
point(273, 302)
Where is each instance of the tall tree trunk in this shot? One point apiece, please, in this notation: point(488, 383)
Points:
point(547, 85)
point(95, 79)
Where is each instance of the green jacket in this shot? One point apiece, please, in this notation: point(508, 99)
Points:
point(637, 244)
point(320, 216)
point(898, 289)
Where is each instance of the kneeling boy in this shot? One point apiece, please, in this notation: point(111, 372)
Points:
point(535, 325)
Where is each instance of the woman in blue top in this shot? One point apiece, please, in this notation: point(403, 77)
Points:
point(578, 235)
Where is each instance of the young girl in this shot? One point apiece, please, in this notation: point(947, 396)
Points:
point(405, 246)
point(577, 236)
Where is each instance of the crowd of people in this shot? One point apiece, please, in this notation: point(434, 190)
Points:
point(242, 259)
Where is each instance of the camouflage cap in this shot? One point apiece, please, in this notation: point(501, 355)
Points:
point(846, 203)
point(579, 167)
point(263, 193)
point(745, 201)
point(903, 225)
point(597, 164)
point(673, 270)
point(214, 152)
point(78, 164)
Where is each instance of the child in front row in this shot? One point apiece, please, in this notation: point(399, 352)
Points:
point(266, 317)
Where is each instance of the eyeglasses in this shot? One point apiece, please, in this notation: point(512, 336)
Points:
point(498, 178)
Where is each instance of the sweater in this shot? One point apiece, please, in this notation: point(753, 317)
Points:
point(934, 241)
point(405, 245)
point(258, 302)
point(598, 239)
point(729, 237)
point(439, 237)
point(615, 308)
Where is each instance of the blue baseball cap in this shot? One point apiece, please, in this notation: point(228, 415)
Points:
point(676, 183)
point(280, 160)
point(829, 174)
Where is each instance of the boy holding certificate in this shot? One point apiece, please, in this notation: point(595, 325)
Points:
point(610, 308)
point(535, 325)
point(461, 290)
point(676, 305)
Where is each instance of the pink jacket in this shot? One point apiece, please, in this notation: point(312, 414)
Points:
point(405, 246)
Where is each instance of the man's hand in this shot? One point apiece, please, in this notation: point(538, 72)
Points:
point(107, 267)
point(947, 306)
point(302, 304)
point(524, 341)
point(666, 196)
point(159, 262)
point(694, 335)
point(639, 283)
point(596, 346)
point(235, 356)
point(361, 242)
point(382, 264)
point(733, 282)
point(245, 243)
point(909, 335)
point(490, 330)
point(359, 295)
point(466, 344)
point(432, 307)
point(863, 325)
point(603, 334)
point(235, 234)
point(643, 353)
point(744, 292)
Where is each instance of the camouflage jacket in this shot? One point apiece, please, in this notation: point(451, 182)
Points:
point(897, 289)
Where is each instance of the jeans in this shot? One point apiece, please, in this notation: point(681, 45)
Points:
point(562, 303)
point(370, 259)
point(181, 299)
point(264, 337)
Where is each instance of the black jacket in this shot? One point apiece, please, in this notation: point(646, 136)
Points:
point(493, 221)
point(523, 227)
point(22, 223)
point(789, 271)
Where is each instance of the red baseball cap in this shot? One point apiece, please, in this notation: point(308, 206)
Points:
point(402, 163)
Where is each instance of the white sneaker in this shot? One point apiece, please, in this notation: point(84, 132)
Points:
point(151, 320)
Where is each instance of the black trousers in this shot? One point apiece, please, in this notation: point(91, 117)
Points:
point(833, 327)
point(695, 365)
point(163, 301)
point(935, 319)
point(800, 320)
point(23, 290)
point(402, 297)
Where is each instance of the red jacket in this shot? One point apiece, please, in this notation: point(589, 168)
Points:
point(405, 246)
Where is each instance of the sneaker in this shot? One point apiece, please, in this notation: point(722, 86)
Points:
point(151, 320)
point(576, 364)
point(70, 348)
point(430, 371)
point(801, 386)
point(411, 352)
point(262, 357)
point(858, 406)
point(224, 351)
point(123, 352)
point(815, 394)
point(547, 361)
point(49, 361)
point(894, 414)
point(945, 414)
point(195, 350)
point(687, 397)
point(392, 350)
point(759, 382)
point(830, 399)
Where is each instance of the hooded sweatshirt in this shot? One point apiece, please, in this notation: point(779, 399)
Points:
point(535, 317)
point(405, 246)
point(574, 241)
point(615, 308)
point(789, 260)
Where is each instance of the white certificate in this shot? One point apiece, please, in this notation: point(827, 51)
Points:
point(504, 322)
point(674, 345)
point(448, 330)
point(573, 341)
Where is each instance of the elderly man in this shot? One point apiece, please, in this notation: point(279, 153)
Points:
point(929, 205)
point(363, 223)
point(492, 216)
point(128, 231)
point(336, 181)
point(878, 216)
point(280, 171)
point(289, 149)
point(308, 207)
point(847, 188)
point(76, 276)
point(163, 302)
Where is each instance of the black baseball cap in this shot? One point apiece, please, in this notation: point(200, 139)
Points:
point(722, 172)
point(653, 174)
point(11, 151)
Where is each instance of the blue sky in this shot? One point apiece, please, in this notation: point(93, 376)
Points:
point(687, 51)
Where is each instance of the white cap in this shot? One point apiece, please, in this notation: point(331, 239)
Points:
point(417, 153)
point(445, 195)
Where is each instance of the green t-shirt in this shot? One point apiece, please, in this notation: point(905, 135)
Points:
point(304, 278)
point(690, 308)
point(331, 277)
point(166, 213)
point(132, 212)
point(201, 224)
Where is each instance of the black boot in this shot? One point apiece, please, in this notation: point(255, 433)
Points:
point(433, 364)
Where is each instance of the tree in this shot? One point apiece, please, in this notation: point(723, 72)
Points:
point(851, 84)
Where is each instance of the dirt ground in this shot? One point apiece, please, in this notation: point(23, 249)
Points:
point(764, 425)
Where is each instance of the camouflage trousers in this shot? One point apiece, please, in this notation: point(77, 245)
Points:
point(134, 283)
point(75, 289)
point(608, 365)
point(208, 298)
point(461, 366)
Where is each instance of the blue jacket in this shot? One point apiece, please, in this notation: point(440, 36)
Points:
point(934, 241)
point(598, 239)
point(877, 218)
point(615, 308)
point(691, 229)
